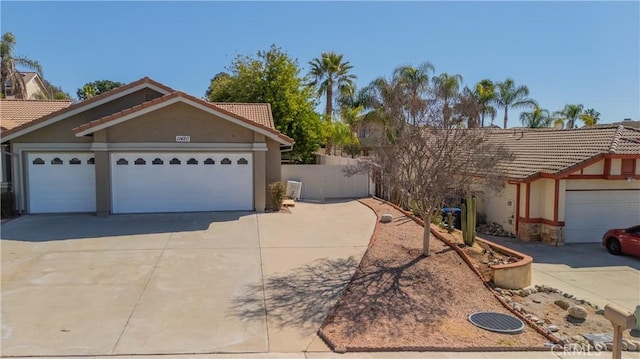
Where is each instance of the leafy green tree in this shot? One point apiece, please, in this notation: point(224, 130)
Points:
point(508, 96)
point(95, 88)
point(537, 118)
point(569, 115)
point(273, 77)
point(590, 117)
point(329, 73)
point(8, 72)
point(447, 90)
point(485, 93)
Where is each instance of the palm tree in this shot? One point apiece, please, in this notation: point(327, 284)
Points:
point(8, 72)
point(537, 118)
point(569, 114)
point(485, 93)
point(509, 96)
point(590, 117)
point(330, 71)
point(447, 88)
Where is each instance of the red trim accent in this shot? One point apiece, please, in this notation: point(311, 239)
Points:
point(543, 221)
point(527, 201)
point(566, 173)
point(517, 206)
point(556, 198)
point(633, 167)
point(623, 156)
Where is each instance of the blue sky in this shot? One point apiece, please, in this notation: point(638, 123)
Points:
point(569, 52)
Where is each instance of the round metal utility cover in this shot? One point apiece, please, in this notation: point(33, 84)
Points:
point(497, 322)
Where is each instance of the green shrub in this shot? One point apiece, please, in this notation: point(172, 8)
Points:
point(277, 192)
point(7, 204)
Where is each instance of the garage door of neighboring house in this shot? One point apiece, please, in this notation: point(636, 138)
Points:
point(181, 182)
point(61, 182)
point(588, 214)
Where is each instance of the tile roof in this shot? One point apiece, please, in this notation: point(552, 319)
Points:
point(551, 151)
point(258, 112)
point(243, 108)
point(89, 101)
point(15, 113)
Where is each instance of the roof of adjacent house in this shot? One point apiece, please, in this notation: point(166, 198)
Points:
point(28, 76)
point(553, 151)
point(15, 113)
point(238, 111)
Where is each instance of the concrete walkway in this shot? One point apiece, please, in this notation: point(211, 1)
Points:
point(176, 283)
point(585, 270)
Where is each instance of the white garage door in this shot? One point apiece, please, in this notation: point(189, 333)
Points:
point(181, 182)
point(588, 214)
point(61, 182)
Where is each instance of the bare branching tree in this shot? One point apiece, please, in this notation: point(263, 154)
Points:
point(422, 158)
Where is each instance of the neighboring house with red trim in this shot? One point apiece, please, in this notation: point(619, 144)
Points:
point(144, 147)
point(15, 113)
point(34, 87)
point(567, 186)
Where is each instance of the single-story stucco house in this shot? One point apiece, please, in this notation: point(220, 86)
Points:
point(567, 185)
point(144, 148)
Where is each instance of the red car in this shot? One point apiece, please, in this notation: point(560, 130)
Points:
point(623, 241)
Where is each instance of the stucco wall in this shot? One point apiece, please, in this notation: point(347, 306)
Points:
point(595, 169)
point(179, 119)
point(496, 208)
point(542, 199)
point(61, 132)
point(616, 166)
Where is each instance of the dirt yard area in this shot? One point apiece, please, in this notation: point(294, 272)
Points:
point(400, 300)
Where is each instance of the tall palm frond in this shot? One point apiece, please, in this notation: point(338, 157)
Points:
point(328, 74)
point(9, 75)
point(537, 118)
point(508, 96)
point(570, 114)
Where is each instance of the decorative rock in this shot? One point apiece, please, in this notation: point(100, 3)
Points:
point(624, 346)
point(540, 322)
point(600, 311)
point(631, 347)
point(578, 339)
point(562, 304)
point(577, 312)
point(537, 301)
point(553, 328)
point(386, 218)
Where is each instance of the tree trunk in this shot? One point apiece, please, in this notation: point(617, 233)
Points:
point(329, 106)
point(482, 119)
point(426, 234)
point(327, 112)
point(505, 117)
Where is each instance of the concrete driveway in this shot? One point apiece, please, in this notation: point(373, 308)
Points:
point(176, 283)
point(585, 270)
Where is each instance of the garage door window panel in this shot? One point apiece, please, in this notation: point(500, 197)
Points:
point(38, 161)
point(56, 161)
